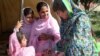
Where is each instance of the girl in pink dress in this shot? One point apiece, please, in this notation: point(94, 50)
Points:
point(18, 44)
point(24, 51)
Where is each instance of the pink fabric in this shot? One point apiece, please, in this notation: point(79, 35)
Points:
point(14, 45)
point(27, 51)
point(49, 26)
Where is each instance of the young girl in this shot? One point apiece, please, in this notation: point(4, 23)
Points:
point(17, 45)
point(24, 51)
point(26, 24)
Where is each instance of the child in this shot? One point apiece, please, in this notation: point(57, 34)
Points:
point(17, 45)
point(24, 51)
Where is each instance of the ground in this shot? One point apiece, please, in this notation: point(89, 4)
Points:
point(4, 43)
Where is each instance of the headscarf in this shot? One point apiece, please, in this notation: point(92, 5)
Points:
point(72, 8)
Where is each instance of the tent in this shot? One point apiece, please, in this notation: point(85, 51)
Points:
point(9, 14)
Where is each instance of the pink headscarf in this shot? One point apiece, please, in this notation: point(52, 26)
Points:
point(49, 26)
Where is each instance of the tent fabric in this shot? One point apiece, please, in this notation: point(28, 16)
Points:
point(9, 14)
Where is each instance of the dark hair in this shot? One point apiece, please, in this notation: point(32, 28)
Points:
point(58, 5)
point(19, 36)
point(40, 5)
point(28, 11)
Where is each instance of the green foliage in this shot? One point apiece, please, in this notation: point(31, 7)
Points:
point(86, 3)
point(95, 19)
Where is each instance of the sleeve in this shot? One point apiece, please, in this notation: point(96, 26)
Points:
point(11, 43)
point(55, 31)
point(16, 30)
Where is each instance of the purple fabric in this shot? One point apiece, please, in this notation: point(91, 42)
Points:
point(26, 28)
point(49, 26)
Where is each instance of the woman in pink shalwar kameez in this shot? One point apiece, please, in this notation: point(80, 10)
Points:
point(45, 31)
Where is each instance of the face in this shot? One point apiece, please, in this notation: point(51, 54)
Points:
point(44, 12)
point(29, 18)
point(24, 41)
point(62, 14)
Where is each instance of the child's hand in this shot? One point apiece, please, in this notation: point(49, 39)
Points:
point(19, 24)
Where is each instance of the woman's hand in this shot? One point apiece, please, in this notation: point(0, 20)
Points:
point(60, 54)
point(47, 52)
point(44, 36)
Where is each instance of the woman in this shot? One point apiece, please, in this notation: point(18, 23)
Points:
point(75, 29)
point(45, 31)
